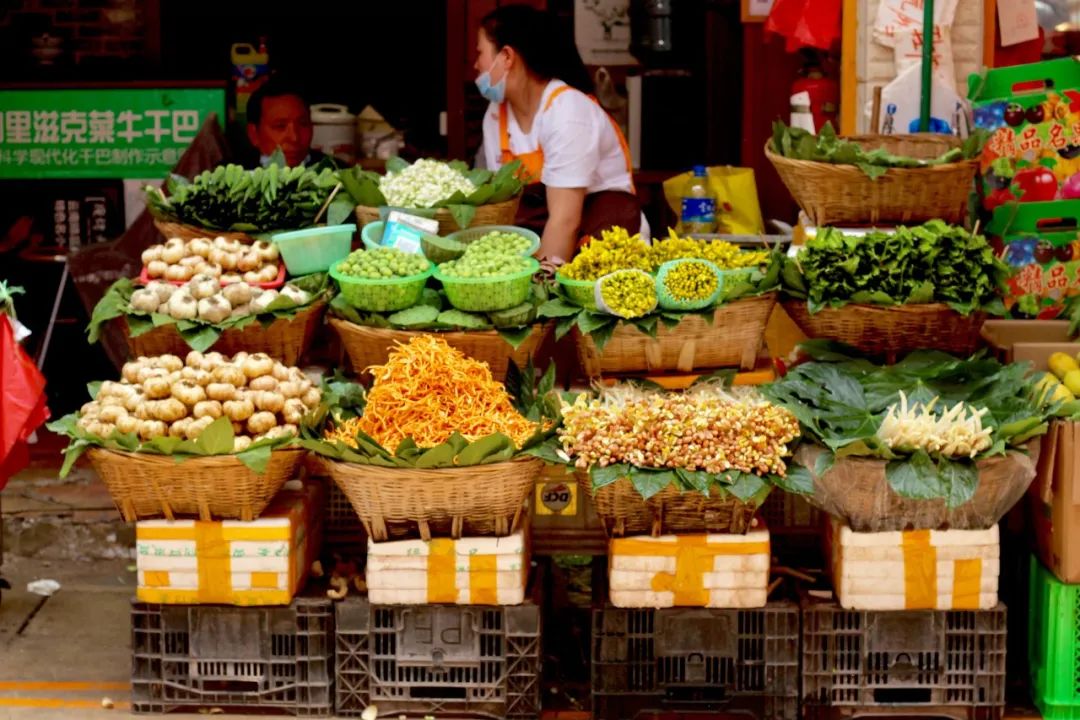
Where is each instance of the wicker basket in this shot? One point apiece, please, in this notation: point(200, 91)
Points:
point(733, 339)
point(623, 512)
point(856, 490)
point(286, 339)
point(832, 194)
point(448, 502)
point(894, 330)
point(367, 346)
point(502, 213)
point(190, 232)
point(209, 488)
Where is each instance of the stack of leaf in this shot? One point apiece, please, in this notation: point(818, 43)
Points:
point(930, 442)
point(876, 178)
point(437, 445)
point(888, 293)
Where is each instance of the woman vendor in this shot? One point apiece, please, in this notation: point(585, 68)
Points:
point(542, 113)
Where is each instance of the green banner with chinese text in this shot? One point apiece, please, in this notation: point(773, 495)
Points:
point(100, 133)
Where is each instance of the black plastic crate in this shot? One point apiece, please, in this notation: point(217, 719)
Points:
point(952, 659)
point(242, 658)
point(438, 659)
point(343, 529)
point(696, 660)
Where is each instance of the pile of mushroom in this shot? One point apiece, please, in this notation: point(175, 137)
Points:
point(230, 261)
point(205, 298)
point(165, 395)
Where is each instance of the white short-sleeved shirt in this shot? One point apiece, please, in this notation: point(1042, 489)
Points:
point(581, 149)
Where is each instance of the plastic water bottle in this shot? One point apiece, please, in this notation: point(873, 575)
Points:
point(698, 204)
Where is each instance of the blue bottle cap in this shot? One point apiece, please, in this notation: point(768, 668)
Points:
point(700, 171)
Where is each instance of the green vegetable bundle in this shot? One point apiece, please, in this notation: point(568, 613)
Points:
point(826, 146)
point(931, 263)
point(232, 198)
point(842, 401)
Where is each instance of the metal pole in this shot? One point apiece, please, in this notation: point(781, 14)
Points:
point(927, 65)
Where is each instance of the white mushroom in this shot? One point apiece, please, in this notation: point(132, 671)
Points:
point(163, 290)
point(237, 293)
point(183, 306)
point(157, 268)
point(214, 309)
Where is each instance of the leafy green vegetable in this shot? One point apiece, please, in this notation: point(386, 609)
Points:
point(826, 146)
point(935, 262)
point(199, 335)
point(841, 400)
point(601, 326)
point(232, 198)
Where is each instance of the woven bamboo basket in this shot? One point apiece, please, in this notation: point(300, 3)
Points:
point(367, 346)
point(623, 512)
point(832, 194)
point(446, 502)
point(856, 490)
point(210, 488)
point(502, 213)
point(733, 339)
point(286, 339)
point(190, 232)
point(892, 330)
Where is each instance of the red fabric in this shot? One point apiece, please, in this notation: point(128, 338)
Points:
point(22, 409)
point(806, 23)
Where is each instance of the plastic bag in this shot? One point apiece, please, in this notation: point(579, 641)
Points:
point(899, 25)
point(23, 388)
point(737, 208)
point(806, 23)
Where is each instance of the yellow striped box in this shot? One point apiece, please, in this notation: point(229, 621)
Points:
point(712, 571)
point(468, 571)
point(262, 562)
point(915, 569)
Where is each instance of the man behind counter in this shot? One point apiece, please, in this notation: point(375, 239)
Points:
point(278, 117)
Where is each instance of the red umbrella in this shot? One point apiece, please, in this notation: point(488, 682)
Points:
point(22, 409)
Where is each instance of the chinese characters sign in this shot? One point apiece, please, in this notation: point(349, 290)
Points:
point(121, 133)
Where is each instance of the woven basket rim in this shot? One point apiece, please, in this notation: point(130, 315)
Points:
point(170, 460)
point(501, 203)
point(371, 330)
point(908, 308)
point(853, 170)
point(465, 470)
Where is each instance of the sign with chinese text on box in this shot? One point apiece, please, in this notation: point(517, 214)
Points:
point(91, 133)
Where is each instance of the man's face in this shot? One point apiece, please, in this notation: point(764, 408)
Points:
point(285, 123)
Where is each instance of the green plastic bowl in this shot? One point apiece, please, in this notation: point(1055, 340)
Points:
point(372, 234)
point(582, 292)
point(314, 249)
point(489, 294)
point(472, 234)
point(381, 294)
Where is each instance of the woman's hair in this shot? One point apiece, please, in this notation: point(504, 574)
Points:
point(547, 49)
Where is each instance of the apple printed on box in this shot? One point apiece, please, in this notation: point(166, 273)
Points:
point(1040, 242)
point(1033, 115)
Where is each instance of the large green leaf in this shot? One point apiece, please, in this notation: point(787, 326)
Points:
point(475, 453)
point(651, 482)
point(217, 438)
point(603, 476)
point(915, 477)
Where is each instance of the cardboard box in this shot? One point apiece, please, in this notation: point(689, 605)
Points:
point(915, 569)
point(1054, 500)
point(713, 571)
point(468, 571)
point(230, 562)
point(1031, 341)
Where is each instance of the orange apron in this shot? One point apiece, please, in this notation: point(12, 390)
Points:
point(532, 163)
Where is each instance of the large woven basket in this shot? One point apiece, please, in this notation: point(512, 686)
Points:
point(732, 339)
point(367, 346)
point(447, 502)
point(892, 330)
point(190, 232)
point(623, 512)
point(856, 490)
point(502, 213)
point(209, 488)
point(832, 194)
point(286, 339)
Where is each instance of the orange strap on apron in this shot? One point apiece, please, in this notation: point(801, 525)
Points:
point(532, 163)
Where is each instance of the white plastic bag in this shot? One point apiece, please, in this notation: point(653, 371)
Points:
point(899, 25)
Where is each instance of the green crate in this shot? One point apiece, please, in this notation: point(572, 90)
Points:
point(1054, 644)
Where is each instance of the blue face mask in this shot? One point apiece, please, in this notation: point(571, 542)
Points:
point(493, 93)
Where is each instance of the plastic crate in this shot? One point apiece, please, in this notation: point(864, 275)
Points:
point(902, 659)
point(790, 514)
point(438, 660)
point(198, 656)
point(343, 527)
point(1054, 644)
point(696, 660)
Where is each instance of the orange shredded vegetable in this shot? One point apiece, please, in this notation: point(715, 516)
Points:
point(428, 390)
